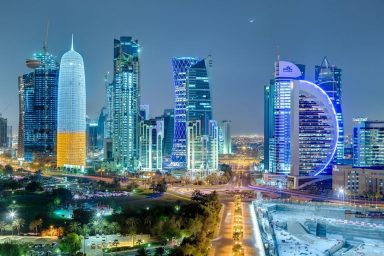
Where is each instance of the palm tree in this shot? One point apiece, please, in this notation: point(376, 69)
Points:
point(85, 230)
point(74, 227)
point(114, 227)
point(35, 224)
point(2, 226)
point(18, 224)
point(148, 222)
point(132, 227)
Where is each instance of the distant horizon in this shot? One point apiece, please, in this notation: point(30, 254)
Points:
point(243, 40)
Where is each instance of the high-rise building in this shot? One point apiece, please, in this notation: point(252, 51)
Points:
point(3, 132)
point(368, 143)
point(192, 103)
point(314, 130)
point(92, 129)
point(144, 112)
point(108, 125)
point(38, 108)
point(169, 120)
point(277, 112)
point(126, 103)
point(328, 77)
point(101, 128)
point(71, 125)
point(180, 72)
point(225, 141)
point(151, 144)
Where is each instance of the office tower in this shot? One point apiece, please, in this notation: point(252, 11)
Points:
point(108, 126)
point(38, 108)
point(151, 144)
point(10, 136)
point(91, 131)
point(192, 102)
point(71, 126)
point(329, 79)
point(144, 112)
point(180, 71)
point(368, 143)
point(202, 149)
point(101, 128)
point(313, 131)
point(126, 103)
point(3, 132)
point(169, 120)
point(277, 111)
point(225, 143)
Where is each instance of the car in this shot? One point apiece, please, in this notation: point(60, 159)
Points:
point(93, 245)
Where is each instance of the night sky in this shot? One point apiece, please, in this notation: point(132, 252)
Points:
point(242, 36)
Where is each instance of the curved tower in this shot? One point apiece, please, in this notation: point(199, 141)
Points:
point(314, 129)
point(71, 138)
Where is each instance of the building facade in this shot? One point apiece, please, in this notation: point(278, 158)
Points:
point(180, 67)
point(71, 120)
point(3, 132)
point(368, 143)
point(277, 121)
point(357, 181)
point(225, 141)
point(328, 77)
point(169, 122)
point(151, 144)
point(126, 103)
point(38, 91)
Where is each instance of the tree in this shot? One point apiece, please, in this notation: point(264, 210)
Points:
point(75, 227)
point(18, 224)
point(70, 244)
point(113, 227)
point(2, 226)
point(35, 224)
point(142, 252)
point(132, 227)
point(8, 169)
point(85, 230)
point(160, 251)
point(10, 248)
point(33, 186)
point(82, 216)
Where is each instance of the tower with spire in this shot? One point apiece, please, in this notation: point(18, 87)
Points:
point(38, 107)
point(328, 77)
point(71, 120)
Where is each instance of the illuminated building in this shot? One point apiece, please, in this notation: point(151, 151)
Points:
point(328, 78)
point(368, 143)
point(277, 122)
point(225, 141)
point(3, 132)
point(314, 130)
point(169, 122)
point(126, 103)
point(71, 134)
point(151, 144)
point(38, 108)
point(180, 72)
point(91, 131)
point(108, 125)
point(192, 105)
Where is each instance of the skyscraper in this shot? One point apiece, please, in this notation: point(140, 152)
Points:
point(151, 144)
point(277, 112)
point(180, 72)
point(71, 135)
point(126, 103)
point(169, 120)
point(3, 132)
point(192, 102)
point(38, 108)
point(329, 79)
point(225, 142)
point(368, 143)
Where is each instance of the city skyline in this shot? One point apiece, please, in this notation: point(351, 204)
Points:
point(238, 74)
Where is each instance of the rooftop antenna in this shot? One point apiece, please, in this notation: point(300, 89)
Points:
point(72, 43)
point(45, 44)
point(277, 52)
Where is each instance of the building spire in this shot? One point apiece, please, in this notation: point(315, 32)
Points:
point(45, 44)
point(72, 44)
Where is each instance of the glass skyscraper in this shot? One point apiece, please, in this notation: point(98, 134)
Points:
point(180, 72)
point(38, 108)
point(277, 112)
point(329, 79)
point(126, 103)
point(225, 142)
point(368, 143)
point(71, 124)
point(169, 122)
point(3, 132)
